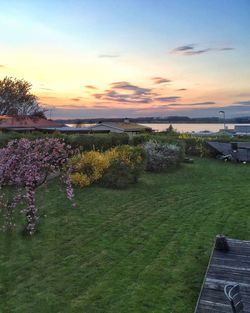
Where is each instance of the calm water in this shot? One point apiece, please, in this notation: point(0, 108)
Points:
point(179, 127)
point(182, 127)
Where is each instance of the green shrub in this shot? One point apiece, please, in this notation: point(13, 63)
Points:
point(162, 157)
point(196, 146)
point(164, 137)
point(141, 139)
point(126, 165)
point(132, 157)
point(100, 142)
point(118, 175)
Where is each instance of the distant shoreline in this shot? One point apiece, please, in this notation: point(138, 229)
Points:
point(181, 127)
point(73, 121)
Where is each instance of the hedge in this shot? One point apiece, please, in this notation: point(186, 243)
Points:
point(193, 145)
point(83, 142)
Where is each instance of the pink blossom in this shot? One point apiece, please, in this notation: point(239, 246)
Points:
point(25, 165)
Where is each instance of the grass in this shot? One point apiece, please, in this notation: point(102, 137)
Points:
point(141, 250)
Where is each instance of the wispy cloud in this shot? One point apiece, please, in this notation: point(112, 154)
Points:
point(181, 89)
point(244, 103)
point(184, 48)
point(160, 107)
point(47, 89)
point(48, 97)
point(90, 87)
point(108, 55)
point(191, 49)
point(127, 86)
point(195, 52)
point(169, 105)
point(168, 99)
point(43, 86)
point(193, 104)
point(2, 66)
point(76, 99)
point(113, 96)
point(125, 92)
point(160, 80)
point(226, 49)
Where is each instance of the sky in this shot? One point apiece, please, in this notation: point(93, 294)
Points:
point(115, 58)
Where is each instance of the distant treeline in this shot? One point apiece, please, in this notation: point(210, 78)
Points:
point(167, 119)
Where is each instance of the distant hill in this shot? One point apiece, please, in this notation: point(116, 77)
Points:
point(167, 119)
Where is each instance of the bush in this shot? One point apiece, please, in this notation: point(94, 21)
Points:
point(196, 146)
point(141, 139)
point(132, 157)
point(101, 142)
point(9, 136)
point(164, 137)
point(126, 164)
point(162, 157)
point(118, 175)
point(88, 167)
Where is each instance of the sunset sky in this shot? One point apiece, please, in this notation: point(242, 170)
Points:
point(115, 58)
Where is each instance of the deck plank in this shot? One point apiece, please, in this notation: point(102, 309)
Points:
point(224, 268)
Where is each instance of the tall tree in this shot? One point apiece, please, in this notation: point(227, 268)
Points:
point(16, 98)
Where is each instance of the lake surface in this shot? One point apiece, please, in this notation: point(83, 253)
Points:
point(186, 127)
point(180, 127)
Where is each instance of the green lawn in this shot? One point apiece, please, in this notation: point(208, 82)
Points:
point(144, 249)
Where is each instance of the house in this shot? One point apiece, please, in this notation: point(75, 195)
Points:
point(242, 130)
point(25, 123)
point(121, 127)
point(238, 130)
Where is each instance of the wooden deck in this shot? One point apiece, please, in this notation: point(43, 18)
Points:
point(232, 266)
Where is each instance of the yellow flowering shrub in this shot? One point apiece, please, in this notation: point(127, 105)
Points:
point(79, 179)
point(88, 167)
point(131, 156)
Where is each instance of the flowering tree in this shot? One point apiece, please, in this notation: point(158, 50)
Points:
point(25, 165)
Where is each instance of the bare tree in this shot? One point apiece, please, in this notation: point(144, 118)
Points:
point(16, 98)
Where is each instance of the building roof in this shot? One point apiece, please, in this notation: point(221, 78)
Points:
point(226, 267)
point(221, 147)
point(67, 129)
point(237, 151)
point(226, 148)
point(7, 122)
point(124, 126)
